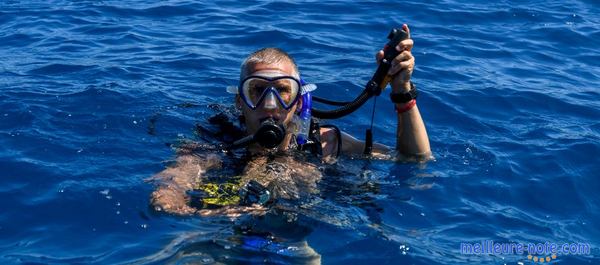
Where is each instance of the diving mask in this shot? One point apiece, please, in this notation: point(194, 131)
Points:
point(270, 86)
point(256, 91)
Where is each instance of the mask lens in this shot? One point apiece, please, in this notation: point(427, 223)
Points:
point(286, 88)
point(254, 88)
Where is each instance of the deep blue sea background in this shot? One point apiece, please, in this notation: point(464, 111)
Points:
point(92, 93)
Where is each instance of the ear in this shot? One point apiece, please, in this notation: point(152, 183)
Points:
point(299, 104)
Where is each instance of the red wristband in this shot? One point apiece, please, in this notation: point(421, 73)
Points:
point(408, 106)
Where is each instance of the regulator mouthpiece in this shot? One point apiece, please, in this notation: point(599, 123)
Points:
point(270, 134)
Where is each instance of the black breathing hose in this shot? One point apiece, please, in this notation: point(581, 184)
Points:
point(344, 110)
point(373, 88)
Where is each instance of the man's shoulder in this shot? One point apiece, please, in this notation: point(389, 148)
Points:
point(330, 137)
point(329, 134)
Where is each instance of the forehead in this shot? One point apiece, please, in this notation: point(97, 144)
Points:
point(284, 67)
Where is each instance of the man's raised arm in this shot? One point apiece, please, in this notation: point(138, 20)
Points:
point(412, 141)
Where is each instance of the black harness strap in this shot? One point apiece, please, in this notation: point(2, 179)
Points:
point(314, 137)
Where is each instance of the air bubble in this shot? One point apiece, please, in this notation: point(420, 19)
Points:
point(403, 249)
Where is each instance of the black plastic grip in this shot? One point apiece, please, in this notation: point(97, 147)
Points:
point(378, 82)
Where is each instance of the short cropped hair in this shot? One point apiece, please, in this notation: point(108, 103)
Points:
point(267, 56)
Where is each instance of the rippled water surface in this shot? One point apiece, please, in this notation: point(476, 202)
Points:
point(92, 93)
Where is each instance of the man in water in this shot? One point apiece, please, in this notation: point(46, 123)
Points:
point(278, 99)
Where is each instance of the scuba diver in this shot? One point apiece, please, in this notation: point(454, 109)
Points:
point(276, 104)
point(277, 178)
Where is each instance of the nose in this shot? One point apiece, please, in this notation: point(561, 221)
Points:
point(270, 101)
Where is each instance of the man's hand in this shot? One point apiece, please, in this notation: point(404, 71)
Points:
point(403, 65)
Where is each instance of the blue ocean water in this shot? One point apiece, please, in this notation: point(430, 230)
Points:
point(93, 92)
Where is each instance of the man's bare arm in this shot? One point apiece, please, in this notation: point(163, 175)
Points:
point(350, 145)
point(173, 182)
point(417, 149)
point(411, 136)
